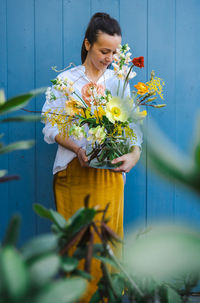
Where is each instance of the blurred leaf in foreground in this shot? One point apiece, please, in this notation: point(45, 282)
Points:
point(166, 159)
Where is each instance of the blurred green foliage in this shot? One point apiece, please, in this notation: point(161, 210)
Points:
point(165, 158)
point(6, 108)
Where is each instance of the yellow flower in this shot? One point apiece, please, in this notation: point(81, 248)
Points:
point(143, 114)
point(117, 129)
point(142, 88)
point(88, 113)
point(137, 115)
point(73, 106)
point(99, 113)
point(156, 84)
point(115, 110)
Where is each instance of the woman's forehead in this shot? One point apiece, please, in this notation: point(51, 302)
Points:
point(107, 41)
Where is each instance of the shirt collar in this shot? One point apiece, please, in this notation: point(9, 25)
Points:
point(106, 75)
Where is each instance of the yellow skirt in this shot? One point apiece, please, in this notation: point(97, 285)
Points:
point(104, 186)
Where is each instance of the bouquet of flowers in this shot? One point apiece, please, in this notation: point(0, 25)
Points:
point(105, 120)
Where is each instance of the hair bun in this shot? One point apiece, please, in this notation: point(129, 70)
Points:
point(100, 15)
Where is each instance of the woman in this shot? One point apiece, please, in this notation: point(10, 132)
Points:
point(73, 178)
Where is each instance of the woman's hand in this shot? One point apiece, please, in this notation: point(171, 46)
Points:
point(128, 160)
point(82, 157)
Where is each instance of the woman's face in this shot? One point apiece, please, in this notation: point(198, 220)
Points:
point(100, 54)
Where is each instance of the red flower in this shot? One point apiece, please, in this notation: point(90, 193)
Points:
point(139, 62)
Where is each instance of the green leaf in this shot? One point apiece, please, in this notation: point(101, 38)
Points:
point(173, 251)
point(40, 245)
point(164, 157)
point(58, 219)
point(96, 297)
point(12, 232)
point(42, 211)
point(14, 273)
point(106, 260)
point(83, 274)
point(80, 252)
point(17, 146)
point(50, 214)
point(19, 101)
point(44, 268)
point(118, 284)
point(24, 118)
point(69, 264)
point(197, 155)
point(65, 291)
point(173, 296)
point(82, 217)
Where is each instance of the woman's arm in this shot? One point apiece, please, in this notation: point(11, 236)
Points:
point(71, 145)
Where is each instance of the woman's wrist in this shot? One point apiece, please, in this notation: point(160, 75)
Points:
point(136, 151)
point(77, 150)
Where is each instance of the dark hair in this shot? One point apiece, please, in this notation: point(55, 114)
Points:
point(99, 22)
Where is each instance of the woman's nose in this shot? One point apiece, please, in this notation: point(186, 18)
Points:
point(109, 58)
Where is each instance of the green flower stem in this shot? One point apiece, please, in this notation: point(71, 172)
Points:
point(116, 261)
point(80, 99)
point(126, 80)
point(118, 87)
point(108, 279)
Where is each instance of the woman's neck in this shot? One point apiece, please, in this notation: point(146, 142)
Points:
point(91, 72)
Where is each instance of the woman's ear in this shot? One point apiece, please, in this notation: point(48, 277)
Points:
point(87, 44)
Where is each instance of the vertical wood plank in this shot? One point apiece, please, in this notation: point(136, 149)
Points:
point(20, 35)
point(187, 95)
point(48, 53)
point(110, 7)
point(161, 58)
point(74, 28)
point(4, 127)
point(133, 20)
point(165, 32)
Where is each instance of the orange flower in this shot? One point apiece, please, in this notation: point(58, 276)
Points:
point(90, 90)
point(142, 88)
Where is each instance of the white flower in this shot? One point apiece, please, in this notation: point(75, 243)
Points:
point(116, 110)
point(127, 58)
point(48, 92)
point(116, 57)
point(77, 132)
point(127, 48)
point(122, 55)
point(132, 75)
point(98, 134)
point(116, 66)
point(49, 95)
point(65, 86)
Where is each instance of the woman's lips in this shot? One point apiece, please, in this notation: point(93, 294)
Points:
point(105, 64)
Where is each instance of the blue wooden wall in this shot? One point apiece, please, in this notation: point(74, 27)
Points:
point(38, 34)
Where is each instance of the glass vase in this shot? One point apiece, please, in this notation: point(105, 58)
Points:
point(101, 155)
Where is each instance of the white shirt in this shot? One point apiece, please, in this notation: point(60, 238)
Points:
point(77, 75)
